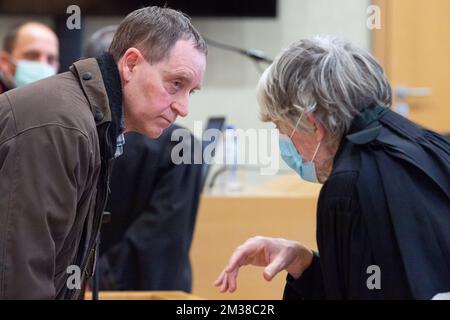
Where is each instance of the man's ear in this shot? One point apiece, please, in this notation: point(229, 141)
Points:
point(127, 64)
point(319, 130)
point(6, 67)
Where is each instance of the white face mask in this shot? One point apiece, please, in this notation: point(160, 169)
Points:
point(31, 71)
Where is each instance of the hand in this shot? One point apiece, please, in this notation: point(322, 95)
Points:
point(275, 254)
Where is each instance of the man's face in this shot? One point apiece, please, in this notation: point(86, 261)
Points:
point(155, 94)
point(34, 42)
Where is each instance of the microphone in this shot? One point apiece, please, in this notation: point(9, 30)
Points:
point(257, 55)
point(254, 54)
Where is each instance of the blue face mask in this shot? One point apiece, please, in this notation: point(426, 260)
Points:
point(290, 155)
point(31, 71)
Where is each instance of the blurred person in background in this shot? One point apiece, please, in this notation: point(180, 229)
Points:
point(30, 53)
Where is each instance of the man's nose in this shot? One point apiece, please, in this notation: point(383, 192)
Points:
point(181, 106)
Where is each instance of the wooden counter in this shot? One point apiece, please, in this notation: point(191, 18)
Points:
point(143, 295)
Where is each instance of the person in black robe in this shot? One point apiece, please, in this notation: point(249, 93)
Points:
point(153, 205)
point(383, 216)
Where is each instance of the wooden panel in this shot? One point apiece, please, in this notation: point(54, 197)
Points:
point(414, 47)
point(380, 41)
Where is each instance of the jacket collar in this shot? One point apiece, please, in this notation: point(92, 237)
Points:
point(90, 77)
point(364, 128)
point(100, 81)
point(112, 82)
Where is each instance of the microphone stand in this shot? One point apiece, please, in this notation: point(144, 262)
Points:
point(256, 55)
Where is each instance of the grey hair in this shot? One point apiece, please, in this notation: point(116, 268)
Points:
point(324, 75)
point(100, 41)
point(154, 31)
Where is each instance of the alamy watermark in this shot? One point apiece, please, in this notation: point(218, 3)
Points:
point(74, 279)
point(374, 19)
point(374, 280)
point(254, 147)
point(73, 22)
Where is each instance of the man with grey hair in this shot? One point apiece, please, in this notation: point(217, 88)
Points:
point(153, 205)
point(59, 137)
point(383, 214)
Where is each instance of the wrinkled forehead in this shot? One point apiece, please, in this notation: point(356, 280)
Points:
point(187, 59)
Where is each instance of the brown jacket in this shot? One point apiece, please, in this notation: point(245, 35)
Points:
point(55, 142)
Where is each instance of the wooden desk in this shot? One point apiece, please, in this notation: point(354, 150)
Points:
point(143, 295)
point(284, 207)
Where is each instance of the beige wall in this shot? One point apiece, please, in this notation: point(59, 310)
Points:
point(231, 79)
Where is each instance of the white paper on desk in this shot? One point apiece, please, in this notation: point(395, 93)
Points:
point(442, 296)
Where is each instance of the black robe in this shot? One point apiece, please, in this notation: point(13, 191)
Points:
point(386, 203)
point(153, 205)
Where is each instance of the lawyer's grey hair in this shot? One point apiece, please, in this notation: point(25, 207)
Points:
point(327, 76)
